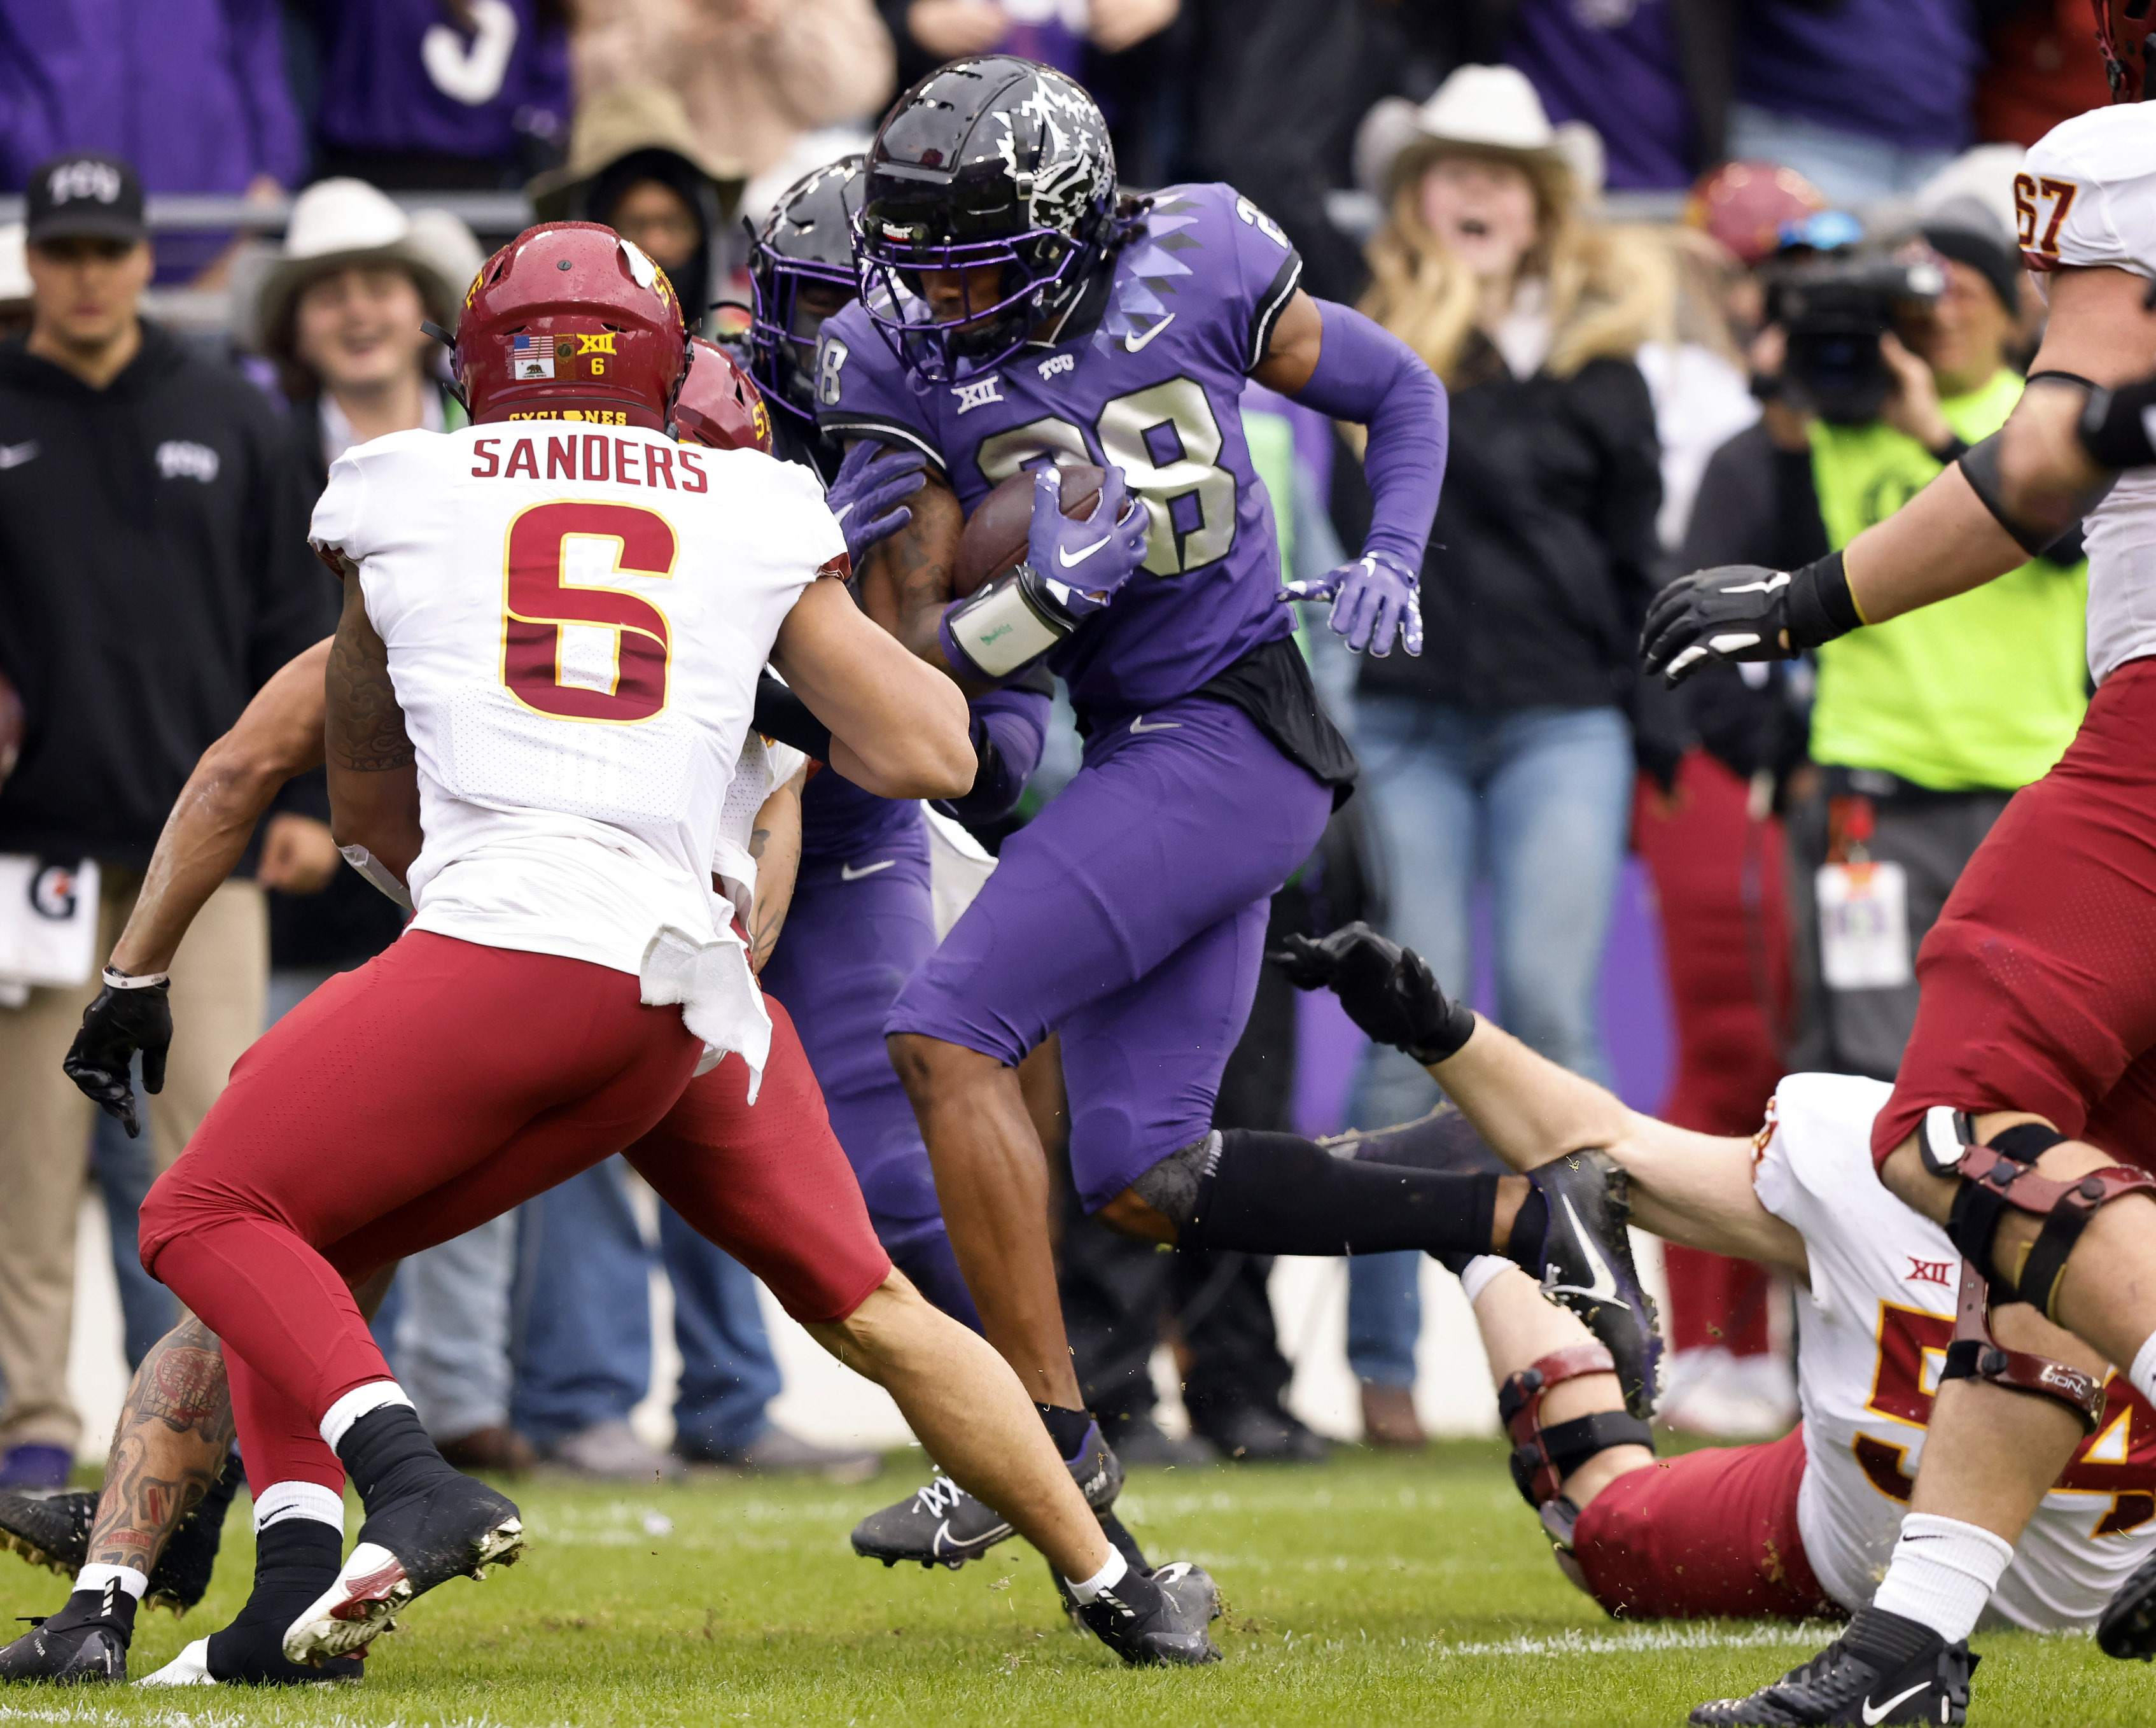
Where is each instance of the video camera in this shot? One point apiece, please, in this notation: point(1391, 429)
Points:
point(1834, 311)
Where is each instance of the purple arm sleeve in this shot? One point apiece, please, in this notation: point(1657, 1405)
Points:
point(1367, 374)
point(1009, 726)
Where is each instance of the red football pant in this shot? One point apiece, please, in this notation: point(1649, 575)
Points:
point(1718, 881)
point(454, 1081)
point(2039, 980)
point(1711, 1534)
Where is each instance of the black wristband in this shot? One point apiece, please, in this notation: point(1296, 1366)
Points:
point(781, 714)
point(2114, 425)
point(1951, 452)
point(1820, 604)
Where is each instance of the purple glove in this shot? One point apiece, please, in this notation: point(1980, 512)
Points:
point(1079, 563)
point(1370, 598)
point(870, 482)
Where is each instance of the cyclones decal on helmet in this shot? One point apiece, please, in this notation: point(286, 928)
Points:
point(992, 164)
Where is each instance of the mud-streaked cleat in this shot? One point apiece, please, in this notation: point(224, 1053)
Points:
point(1886, 1667)
point(2127, 1628)
point(456, 1528)
point(52, 1530)
point(86, 1643)
point(941, 1525)
point(1587, 1267)
point(1172, 1631)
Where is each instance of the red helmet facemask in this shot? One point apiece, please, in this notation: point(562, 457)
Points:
point(2122, 32)
point(718, 406)
point(570, 321)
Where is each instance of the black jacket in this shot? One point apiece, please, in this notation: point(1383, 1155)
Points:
point(154, 571)
point(1543, 555)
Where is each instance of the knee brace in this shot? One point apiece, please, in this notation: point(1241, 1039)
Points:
point(1543, 1458)
point(2002, 1174)
point(1974, 1354)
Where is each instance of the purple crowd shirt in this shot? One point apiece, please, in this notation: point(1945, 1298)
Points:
point(1614, 65)
point(395, 76)
point(1898, 71)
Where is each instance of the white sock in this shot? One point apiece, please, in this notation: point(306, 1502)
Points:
point(2142, 1375)
point(1942, 1572)
point(1475, 1276)
point(1107, 1578)
point(359, 1402)
point(298, 1500)
point(97, 1577)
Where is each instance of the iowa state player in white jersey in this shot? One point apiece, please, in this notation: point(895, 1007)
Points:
point(536, 700)
point(1800, 1528)
point(2031, 1072)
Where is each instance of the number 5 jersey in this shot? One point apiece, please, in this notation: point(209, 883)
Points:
point(576, 618)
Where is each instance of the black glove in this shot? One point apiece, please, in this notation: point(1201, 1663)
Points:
point(1387, 990)
point(1746, 612)
point(114, 1026)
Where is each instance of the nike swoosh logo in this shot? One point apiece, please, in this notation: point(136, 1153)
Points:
point(1131, 344)
point(848, 873)
point(1066, 558)
point(14, 455)
point(1604, 1287)
point(1767, 587)
point(1874, 1716)
point(943, 1544)
point(1139, 725)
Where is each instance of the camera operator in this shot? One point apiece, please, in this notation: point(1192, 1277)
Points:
point(1889, 368)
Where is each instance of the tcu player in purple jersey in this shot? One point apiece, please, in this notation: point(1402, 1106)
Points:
point(862, 919)
point(1016, 311)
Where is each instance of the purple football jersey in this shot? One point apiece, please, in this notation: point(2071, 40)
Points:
point(1153, 385)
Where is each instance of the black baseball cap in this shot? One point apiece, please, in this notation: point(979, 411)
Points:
point(84, 192)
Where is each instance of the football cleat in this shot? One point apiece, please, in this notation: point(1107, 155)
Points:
point(2127, 1628)
point(252, 1660)
point(454, 1528)
point(1172, 1631)
point(85, 1642)
point(1587, 1267)
point(941, 1525)
point(1886, 1667)
point(294, 1559)
point(53, 1530)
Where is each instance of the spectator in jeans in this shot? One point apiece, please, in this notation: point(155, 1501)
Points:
point(154, 573)
point(1504, 751)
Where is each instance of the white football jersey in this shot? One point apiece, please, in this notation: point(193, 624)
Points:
point(2086, 198)
point(765, 764)
point(576, 620)
point(1870, 1343)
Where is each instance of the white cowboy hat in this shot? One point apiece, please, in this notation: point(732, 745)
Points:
point(1487, 109)
point(337, 223)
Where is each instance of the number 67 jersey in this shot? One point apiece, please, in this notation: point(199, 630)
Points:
point(575, 617)
point(1146, 372)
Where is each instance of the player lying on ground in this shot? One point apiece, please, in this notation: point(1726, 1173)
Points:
point(2031, 1070)
point(414, 1052)
point(1018, 310)
point(1801, 1528)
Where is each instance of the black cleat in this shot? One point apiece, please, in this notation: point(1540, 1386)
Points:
point(295, 1559)
point(1884, 1669)
point(449, 1527)
point(2127, 1628)
point(1171, 1629)
point(85, 1642)
point(941, 1525)
point(1587, 1267)
point(53, 1530)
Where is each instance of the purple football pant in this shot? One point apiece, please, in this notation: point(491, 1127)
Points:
point(857, 930)
point(1130, 916)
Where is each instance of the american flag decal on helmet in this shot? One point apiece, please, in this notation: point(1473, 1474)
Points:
point(531, 357)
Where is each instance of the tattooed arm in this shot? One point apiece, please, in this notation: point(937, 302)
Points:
point(906, 577)
point(374, 781)
point(775, 843)
point(175, 1430)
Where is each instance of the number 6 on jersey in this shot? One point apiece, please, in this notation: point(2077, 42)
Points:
point(572, 650)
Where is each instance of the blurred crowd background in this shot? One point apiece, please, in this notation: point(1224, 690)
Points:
point(1708, 282)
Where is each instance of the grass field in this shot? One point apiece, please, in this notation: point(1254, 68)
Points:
point(1365, 1591)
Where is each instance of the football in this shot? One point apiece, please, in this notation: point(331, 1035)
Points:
point(995, 539)
point(12, 723)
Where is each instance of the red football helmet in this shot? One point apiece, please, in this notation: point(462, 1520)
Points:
point(718, 405)
point(570, 320)
point(1743, 204)
point(2122, 37)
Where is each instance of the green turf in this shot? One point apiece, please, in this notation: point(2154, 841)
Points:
point(1365, 1591)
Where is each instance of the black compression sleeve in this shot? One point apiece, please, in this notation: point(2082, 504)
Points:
point(1280, 1194)
point(1820, 604)
point(2115, 425)
point(781, 714)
